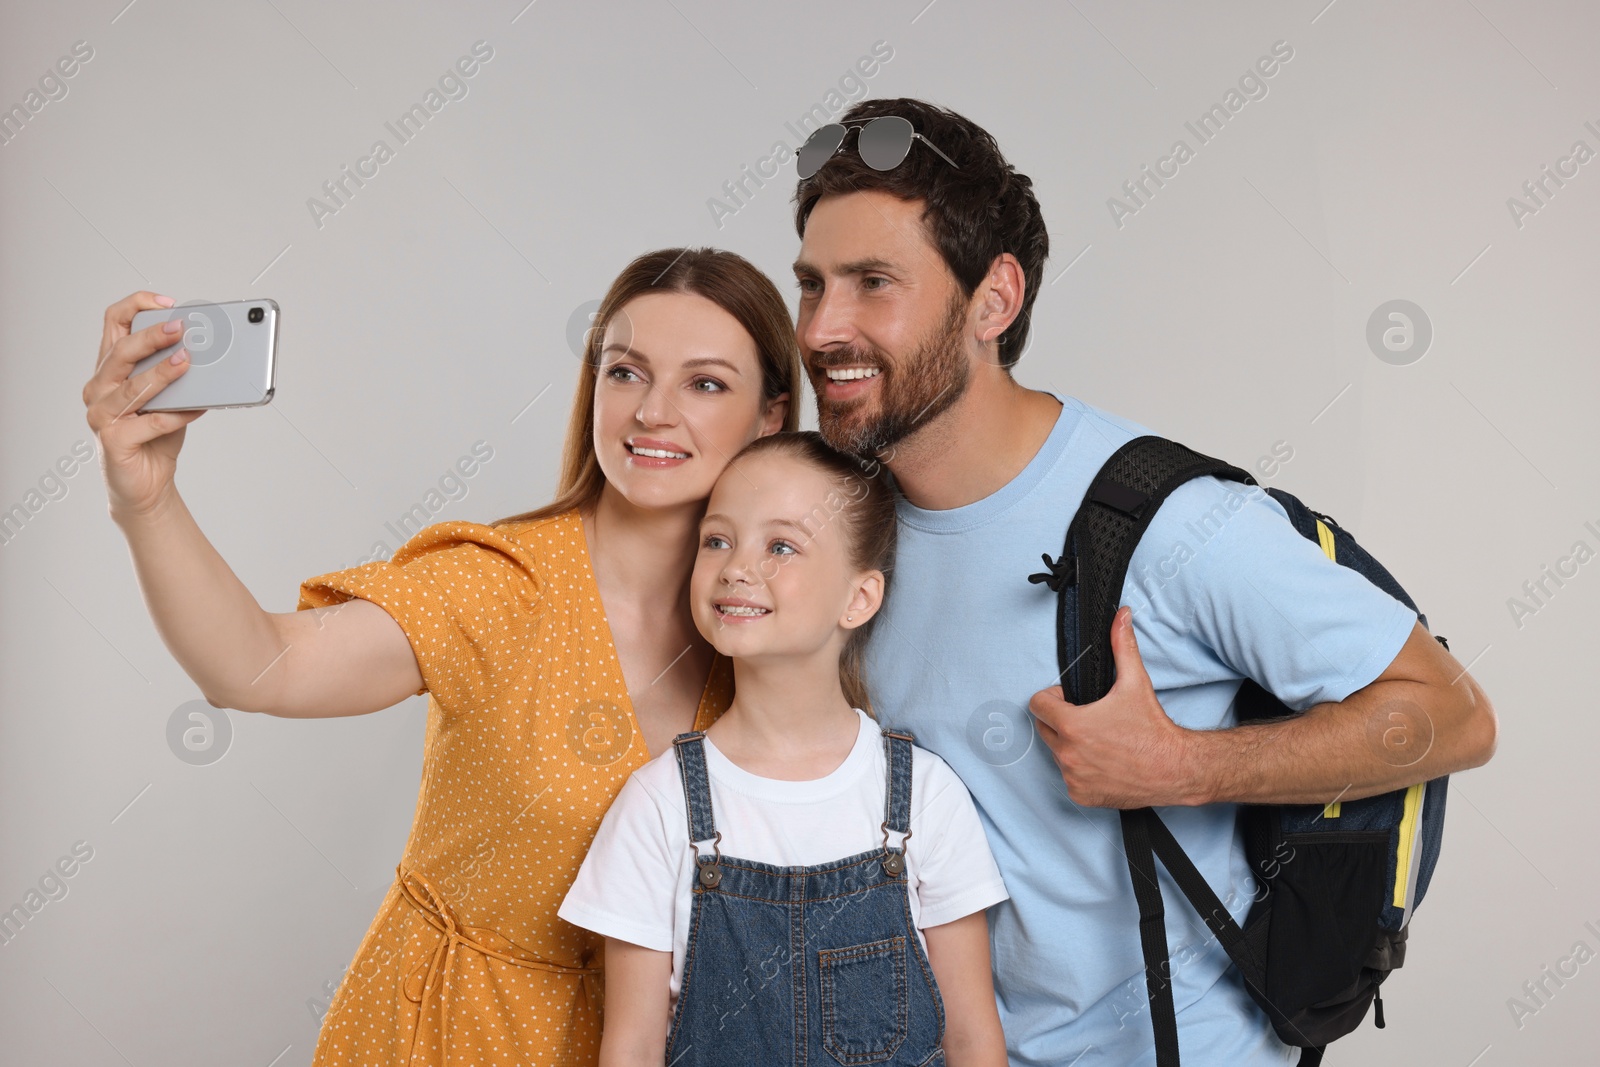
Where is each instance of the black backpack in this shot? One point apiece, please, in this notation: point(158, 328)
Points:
point(1336, 884)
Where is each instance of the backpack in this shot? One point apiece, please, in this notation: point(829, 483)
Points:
point(1336, 883)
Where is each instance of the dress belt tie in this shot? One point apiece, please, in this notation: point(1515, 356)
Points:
point(424, 979)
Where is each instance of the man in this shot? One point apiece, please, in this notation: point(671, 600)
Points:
point(917, 283)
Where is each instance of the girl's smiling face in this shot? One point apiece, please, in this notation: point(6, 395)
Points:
point(773, 575)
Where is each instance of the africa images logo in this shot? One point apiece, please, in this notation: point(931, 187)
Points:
point(198, 733)
point(1399, 332)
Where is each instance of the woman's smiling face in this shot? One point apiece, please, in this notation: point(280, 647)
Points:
point(679, 392)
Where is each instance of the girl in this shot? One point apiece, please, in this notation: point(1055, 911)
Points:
point(556, 647)
point(794, 885)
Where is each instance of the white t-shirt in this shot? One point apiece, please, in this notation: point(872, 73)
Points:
point(636, 883)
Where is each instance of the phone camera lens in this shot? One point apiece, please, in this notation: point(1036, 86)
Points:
point(256, 314)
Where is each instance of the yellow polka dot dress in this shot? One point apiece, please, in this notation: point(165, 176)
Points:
point(530, 736)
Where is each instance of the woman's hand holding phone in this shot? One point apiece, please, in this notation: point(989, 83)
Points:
point(139, 452)
point(349, 659)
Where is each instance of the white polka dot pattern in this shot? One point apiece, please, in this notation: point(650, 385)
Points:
point(467, 962)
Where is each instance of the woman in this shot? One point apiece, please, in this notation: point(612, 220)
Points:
point(557, 647)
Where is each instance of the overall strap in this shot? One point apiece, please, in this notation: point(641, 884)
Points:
point(691, 754)
point(897, 795)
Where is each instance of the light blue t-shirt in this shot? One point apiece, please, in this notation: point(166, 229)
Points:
point(1223, 588)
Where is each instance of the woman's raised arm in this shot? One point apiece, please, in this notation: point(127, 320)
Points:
point(346, 659)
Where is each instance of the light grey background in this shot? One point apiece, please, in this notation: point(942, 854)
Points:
point(1229, 312)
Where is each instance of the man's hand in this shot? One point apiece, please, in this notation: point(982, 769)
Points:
point(1423, 717)
point(1122, 751)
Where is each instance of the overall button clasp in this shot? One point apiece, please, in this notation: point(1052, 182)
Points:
point(709, 873)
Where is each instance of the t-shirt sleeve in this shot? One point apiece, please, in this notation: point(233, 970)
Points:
point(956, 873)
point(627, 886)
point(468, 598)
point(1263, 600)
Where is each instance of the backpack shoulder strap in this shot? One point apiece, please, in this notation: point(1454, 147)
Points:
point(1122, 499)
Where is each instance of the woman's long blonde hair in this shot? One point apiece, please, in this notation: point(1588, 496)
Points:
point(726, 279)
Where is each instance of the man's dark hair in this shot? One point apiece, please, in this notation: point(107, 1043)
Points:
point(972, 214)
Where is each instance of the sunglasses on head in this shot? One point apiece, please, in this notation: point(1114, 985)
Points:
point(884, 143)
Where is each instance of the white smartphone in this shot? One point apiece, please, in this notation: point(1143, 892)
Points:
point(232, 354)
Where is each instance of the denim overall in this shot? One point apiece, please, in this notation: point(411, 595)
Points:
point(803, 966)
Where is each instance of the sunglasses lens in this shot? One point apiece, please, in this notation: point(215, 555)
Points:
point(818, 148)
point(885, 141)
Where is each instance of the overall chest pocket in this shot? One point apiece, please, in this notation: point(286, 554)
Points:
point(865, 1000)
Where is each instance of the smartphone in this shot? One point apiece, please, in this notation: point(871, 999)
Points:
point(232, 354)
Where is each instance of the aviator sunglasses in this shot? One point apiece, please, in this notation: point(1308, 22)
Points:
point(884, 143)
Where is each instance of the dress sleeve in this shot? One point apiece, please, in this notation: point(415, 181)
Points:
point(468, 597)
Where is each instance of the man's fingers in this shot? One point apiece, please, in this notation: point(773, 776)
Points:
point(1048, 704)
point(1125, 652)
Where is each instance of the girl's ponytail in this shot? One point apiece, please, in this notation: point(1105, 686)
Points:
point(852, 670)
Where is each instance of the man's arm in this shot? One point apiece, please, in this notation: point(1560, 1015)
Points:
point(1423, 717)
